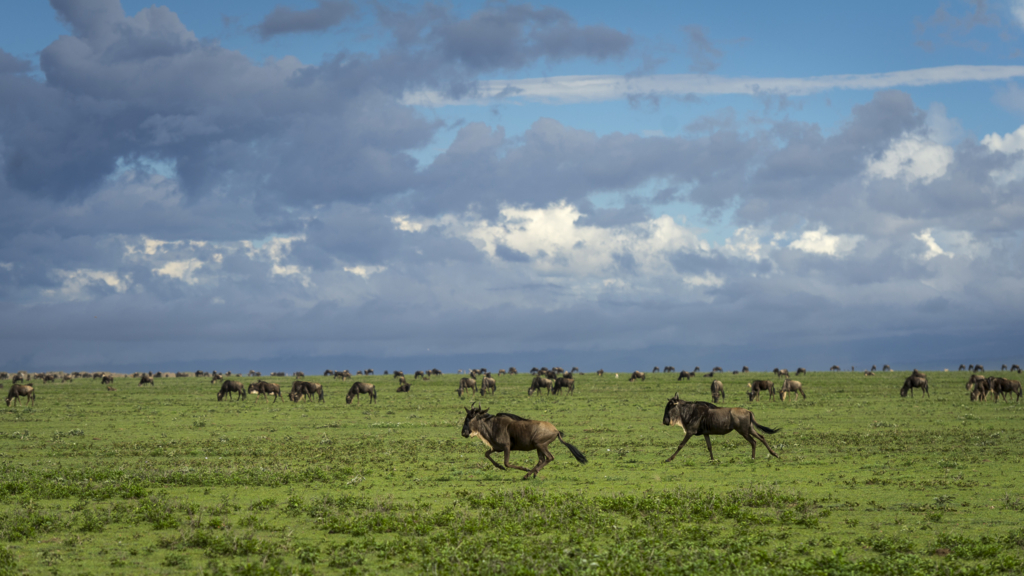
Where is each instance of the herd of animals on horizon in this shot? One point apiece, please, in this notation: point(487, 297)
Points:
point(504, 432)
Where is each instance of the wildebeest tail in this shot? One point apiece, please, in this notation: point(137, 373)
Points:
point(765, 429)
point(575, 451)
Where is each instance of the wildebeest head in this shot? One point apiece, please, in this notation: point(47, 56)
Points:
point(472, 414)
point(672, 412)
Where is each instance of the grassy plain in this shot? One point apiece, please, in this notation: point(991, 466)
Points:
point(167, 480)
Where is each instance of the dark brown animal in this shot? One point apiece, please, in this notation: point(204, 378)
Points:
point(1001, 386)
point(567, 382)
point(538, 383)
point(397, 373)
point(869, 373)
point(264, 389)
point(418, 374)
point(466, 384)
point(915, 380)
point(705, 419)
point(655, 370)
point(800, 371)
point(146, 379)
point(886, 368)
point(1015, 368)
point(21, 390)
point(107, 379)
point(638, 375)
point(745, 370)
point(361, 388)
point(794, 387)
point(978, 368)
point(717, 390)
point(229, 386)
point(488, 383)
point(780, 372)
point(403, 386)
point(303, 389)
point(757, 386)
point(684, 374)
point(506, 432)
point(835, 368)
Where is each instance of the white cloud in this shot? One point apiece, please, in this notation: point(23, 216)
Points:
point(364, 271)
point(1017, 9)
point(7, 266)
point(570, 89)
point(183, 270)
point(75, 282)
point(821, 242)
point(933, 247)
point(912, 157)
point(1011, 143)
point(745, 243)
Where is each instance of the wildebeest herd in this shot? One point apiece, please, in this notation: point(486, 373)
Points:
point(503, 432)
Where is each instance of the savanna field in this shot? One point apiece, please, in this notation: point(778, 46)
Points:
point(167, 480)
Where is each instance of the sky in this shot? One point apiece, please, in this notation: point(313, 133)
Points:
point(331, 184)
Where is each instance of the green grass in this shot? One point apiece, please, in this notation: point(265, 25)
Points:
point(165, 479)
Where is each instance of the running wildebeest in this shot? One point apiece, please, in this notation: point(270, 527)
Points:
point(146, 379)
point(915, 380)
point(264, 388)
point(466, 384)
point(538, 383)
point(488, 383)
point(704, 418)
point(794, 387)
point(361, 388)
point(717, 389)
point(19, 390)
point(638, 375)
point(684, 374)
point(567, 382)
point(230, 386)
point(757, 386)
point(506, 432)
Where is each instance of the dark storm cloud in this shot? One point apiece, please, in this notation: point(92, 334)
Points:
point(284, 20)
point(503, 36)
point(10, 64)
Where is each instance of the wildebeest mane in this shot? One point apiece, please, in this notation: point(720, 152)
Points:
point(512, 416)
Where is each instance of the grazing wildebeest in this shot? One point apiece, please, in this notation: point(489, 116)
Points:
point(107, 379)
point(19, 390)
point(506, 432)
point(794, 387)
point(302, 388)
point(403, 386)
point(684, 374)
point(215, 378)
point(418, 374)
point(978, 368)
point(230, 386)
point(873, 367)
point(835, 368)
point(915, 380)
point(501, 372)
point(655, 370)
point(745, 370)
point(298, 374)
point(465, 384)
point(264, 388)
point(704, 418)
point(1003, 368)
point(1001, 386)
point(757, 386)
point(800, 371)
point(638, 375)
point(538, 383)
point(780, 372)
point(600, 372)
point(717, 390)
point(886, 368)
point(668, 369)
point(488, 383)
point(962, 368)
point(361, 388)
point(397, 373)
point(146, 379)
point(567, 382)
point(344, 375)
point(717, 369)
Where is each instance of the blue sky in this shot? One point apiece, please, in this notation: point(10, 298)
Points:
point(322, 182)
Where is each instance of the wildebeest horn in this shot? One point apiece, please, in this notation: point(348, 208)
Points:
point(676, 397)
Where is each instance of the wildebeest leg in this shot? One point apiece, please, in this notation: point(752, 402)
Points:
point(544, 456)
point(496, 465)
point(707, 440)
point(753, 445)
point(508, 464)
point(681, 444)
